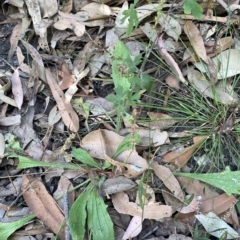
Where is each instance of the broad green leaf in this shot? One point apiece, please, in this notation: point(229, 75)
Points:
point(6, 229)
point(25, 162)
point(99, 222)
point(84, 157)
point(78, 214)
point(127, 143)
point(228, 181)
point(191, 6)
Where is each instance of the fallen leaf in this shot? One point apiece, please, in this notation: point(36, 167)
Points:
point(159, 121)
point(152, 211)
point(134, 228)
point(200, 82)
point(168, 179)
point(170, 25)
point(48, 8)
point(216, 226)
point(17, 88)
point(102, 144)
point(172, 82)
point(10, 121)
point(169, 60)
point(16, 34)
point(42, 204)
point(196, 40)
point(181, 159)
point(37, 57)
point(228, 62)
point(115, 185)
point(69, 116)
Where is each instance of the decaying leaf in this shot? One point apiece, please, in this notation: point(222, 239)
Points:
point(16, 34)
point(196, 40)
point(200, 82)
point(17, 88)
point(103, 144)
point(168, 179)
point(115, 185)
point(42, 204)
point(2, 146)
point(170, 25)
point(69, 116)
point(169, 60)
point(216, 226)
point(134, 228)
point(151, 211)
point(180, 159)
point(226, 62)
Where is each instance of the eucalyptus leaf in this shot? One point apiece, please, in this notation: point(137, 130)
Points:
point(228, 181)
point(6, 229)
point(84, 157)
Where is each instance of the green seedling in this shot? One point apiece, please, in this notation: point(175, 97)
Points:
point(192, 7)
point(128, 82)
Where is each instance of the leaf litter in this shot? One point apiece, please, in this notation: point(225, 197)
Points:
point(124, 156)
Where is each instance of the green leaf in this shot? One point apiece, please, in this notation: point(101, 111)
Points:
point(131, 13)
point(6, 229)
point(78, 214)
point(228, 181)
point(99, 222)
point(25, 162)
point(11, 142)
point(191, 6)
point(84, 157)
point(127, 143)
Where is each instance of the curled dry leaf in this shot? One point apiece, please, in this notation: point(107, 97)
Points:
point(151, 211)
point(170, 25)
point(196, 40)
point(69, 116)
point(42, 204)
point(228, 62)
point(16, 34)
point(148, 137)
point(37, 58)
point(169, 60)
point(200, 82)
point(115, 185)
point(159, 121)
point(192, 206)
point(103, 144)
point(17, 88)
point(180, 159)
point(168, 179)
point(134, 228)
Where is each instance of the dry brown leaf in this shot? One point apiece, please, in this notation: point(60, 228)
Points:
point(24, 67)
point(17, 88)
point(37, 58)
point(151, 211)
point(168, 179)
point(48, 8)
point(103, 144)
point(201, 83)
point(69, 116)
point(196, 40)
point(9, 121)
point(172, 82)
point(169, 60)
point(180, 159)
point(42, 204)
point(16, 34)
point(67, 78)
point(97, 10)
point(211, 200)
